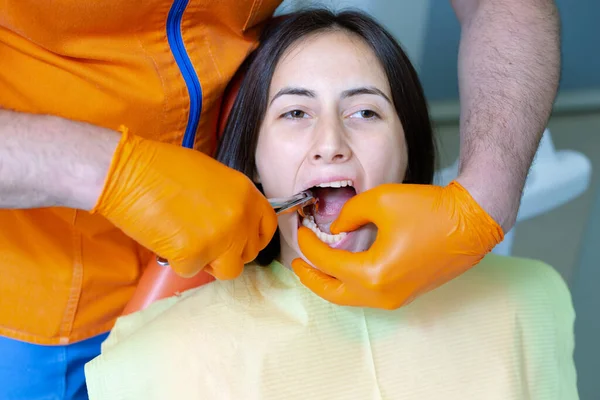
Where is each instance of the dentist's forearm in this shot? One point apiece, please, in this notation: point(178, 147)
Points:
point(48, 161)
point(509, 67)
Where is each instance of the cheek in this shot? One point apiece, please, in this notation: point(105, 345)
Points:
point(385, 160)
point(277, 164)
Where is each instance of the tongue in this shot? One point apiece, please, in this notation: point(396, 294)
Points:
point(331, 201)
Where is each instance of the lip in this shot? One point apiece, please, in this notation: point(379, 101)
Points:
point(328, 179)
point(341, 244)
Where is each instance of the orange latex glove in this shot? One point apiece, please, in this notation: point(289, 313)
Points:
point(427, 235)
point(186, 207)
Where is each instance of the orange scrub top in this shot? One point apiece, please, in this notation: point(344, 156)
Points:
point(156, 66)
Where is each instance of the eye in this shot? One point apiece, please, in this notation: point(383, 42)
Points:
point(294, 114)
point(365, 114)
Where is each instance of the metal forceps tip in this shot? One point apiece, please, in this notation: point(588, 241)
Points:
point(299, 202)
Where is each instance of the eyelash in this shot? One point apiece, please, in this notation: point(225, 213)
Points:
point(374, 116)
point(289, 115)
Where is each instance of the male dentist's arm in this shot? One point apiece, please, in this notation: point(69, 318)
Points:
point(508, 73)
point(179, 203)
point(509, 67)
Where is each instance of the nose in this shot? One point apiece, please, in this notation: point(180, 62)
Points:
point(330, 143)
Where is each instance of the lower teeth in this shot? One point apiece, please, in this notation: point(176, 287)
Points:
point(309, 222)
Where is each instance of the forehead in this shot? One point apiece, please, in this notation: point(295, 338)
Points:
point(334, 58)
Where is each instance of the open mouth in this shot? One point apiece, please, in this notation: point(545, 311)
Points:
point(331, 198)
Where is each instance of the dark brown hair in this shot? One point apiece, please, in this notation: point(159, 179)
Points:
point(237, 147)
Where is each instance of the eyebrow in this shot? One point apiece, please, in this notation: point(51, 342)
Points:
point(294, 91)
point(365, 90)
point(345, 94)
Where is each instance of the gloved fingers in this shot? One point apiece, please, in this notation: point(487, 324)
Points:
point(353, 214)
point(360, 210)
point(338, 293)
point(251, 249)
point(261, 228)
point(228, 265)
point(209, 270)
point(186, 269)
point(322, 284)
point(267, 226)
point(341, 264)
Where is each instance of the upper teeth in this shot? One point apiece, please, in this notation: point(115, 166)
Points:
point(336, 184)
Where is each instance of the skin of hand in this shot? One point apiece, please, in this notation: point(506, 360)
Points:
point(186, 207)
point(509, 66)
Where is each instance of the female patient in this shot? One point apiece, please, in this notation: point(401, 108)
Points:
point(332, 104)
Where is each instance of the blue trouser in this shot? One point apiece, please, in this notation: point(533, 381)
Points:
point(36, 372)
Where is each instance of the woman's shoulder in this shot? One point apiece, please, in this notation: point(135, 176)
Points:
point(505, 314)
point(505, 285)
point(528, 282)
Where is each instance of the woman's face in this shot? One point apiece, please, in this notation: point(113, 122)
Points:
point(330, 123)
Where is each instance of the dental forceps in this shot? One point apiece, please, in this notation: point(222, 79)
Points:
point(282, 205)
point(298, 202)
